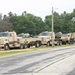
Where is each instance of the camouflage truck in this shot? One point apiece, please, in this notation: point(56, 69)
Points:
point(30, 40)
point(10, 40)
point(46, 38)
point(65, 37)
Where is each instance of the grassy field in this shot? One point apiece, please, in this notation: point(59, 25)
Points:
point(19, 51)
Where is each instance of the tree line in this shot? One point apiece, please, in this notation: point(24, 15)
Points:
point(29, 23)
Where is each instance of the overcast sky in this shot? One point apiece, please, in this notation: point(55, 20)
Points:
point(39, 8)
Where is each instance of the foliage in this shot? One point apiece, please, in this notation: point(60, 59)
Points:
point(29, 23)
point(63, 22)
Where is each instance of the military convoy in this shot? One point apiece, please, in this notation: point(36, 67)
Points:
point(11, 40)
point(44, 38)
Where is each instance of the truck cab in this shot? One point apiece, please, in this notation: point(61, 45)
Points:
point(46, 37)
point(8, 39)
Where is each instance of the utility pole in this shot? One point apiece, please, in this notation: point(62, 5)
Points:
point(52, 28)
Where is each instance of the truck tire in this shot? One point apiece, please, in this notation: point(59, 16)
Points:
point(48, 43)
point(6, 47)
point(69, 42)
point(25, 46)
point(28, 45)
point(21, 46)
point(37, 44)
point(72, 41)
point(60, 43)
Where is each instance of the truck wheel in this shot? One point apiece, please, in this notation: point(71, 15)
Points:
point(28, 46)
point(40, 43)
point(69, 42)
point(37, 44)
point(65, 43)
point(25, 46)
point(6, 47)
point(60, 43)
point(21, 46)
point(48, 43)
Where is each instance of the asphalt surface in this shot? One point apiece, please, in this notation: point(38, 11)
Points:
point(34, 62)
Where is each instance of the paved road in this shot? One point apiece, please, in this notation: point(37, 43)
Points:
point(34, 62)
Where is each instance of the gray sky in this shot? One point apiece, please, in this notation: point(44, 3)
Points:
point(39, 8)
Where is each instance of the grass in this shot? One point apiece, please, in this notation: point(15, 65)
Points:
point(13, 52)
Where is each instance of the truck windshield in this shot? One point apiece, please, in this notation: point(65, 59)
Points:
point(21, 35)
point(2, 34)
point(64, 35)
point(45, 34)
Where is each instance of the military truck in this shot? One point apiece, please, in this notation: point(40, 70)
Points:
point(10, 40)
point(32, 41)
point(65, 37)
point(46, 38)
